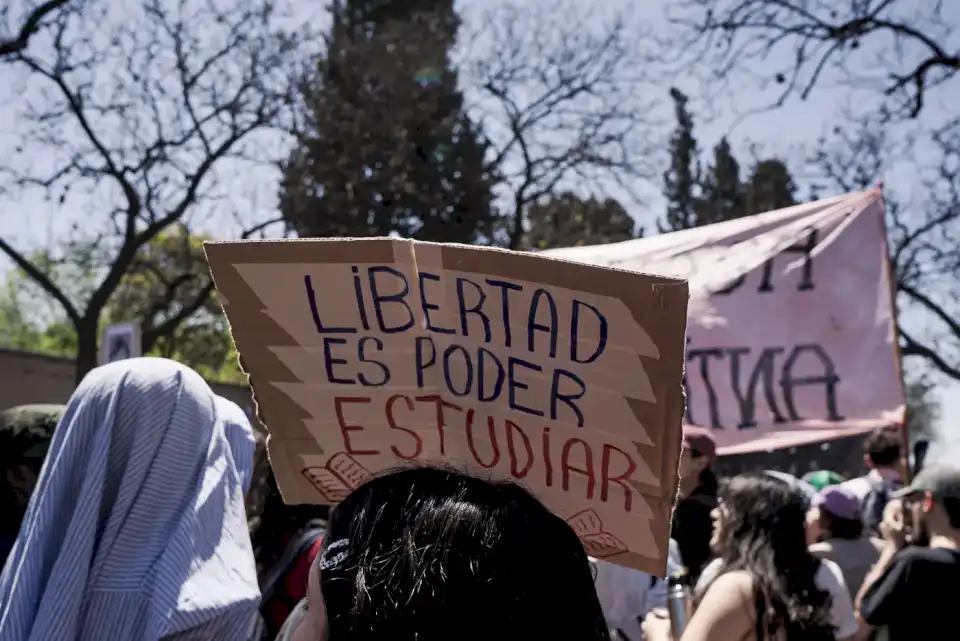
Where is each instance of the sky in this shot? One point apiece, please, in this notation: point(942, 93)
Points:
point(787, 132)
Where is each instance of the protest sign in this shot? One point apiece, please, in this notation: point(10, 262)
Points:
point(367, 354)
point(791, 337)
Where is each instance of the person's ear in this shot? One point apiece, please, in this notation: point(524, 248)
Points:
point(927, 502)
point(866, 460)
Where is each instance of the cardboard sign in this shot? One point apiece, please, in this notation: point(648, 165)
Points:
point(792, 330)
point(368, 354)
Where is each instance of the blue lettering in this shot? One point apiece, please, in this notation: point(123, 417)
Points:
point(398, 298)
point(358, 291)
point(505, 289)
point(513, 384)
point(421, 365)
point(428, 307)
point(482, 356)
point(534, 326)
point(476, 309)
point(312, 301)
point(468, 384)
point(567, 399)
point(362, 357)
point(575, 333)
point(329, 361)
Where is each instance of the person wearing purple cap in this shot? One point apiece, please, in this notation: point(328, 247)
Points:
point(692, 526)
point(836, 533)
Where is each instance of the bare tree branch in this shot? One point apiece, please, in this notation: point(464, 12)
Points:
point(562, 100)
point(907, 46)
point(923, 233)
point(31, 25)
point(141, 112)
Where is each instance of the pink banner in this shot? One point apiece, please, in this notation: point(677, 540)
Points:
point(791, 333)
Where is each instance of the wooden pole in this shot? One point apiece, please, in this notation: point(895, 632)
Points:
point(888, 265)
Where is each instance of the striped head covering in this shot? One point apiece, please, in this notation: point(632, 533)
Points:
point(136, 529)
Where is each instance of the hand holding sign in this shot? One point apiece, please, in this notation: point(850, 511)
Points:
point(369, 353)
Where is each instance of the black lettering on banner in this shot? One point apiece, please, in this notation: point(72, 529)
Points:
point(766, 286)
point(749, 383)
point(713, 403)
point(829, 379)
point(762, 374)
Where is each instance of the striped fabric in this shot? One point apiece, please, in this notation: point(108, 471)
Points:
point(136, 530)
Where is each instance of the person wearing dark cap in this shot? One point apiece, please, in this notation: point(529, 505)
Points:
point(692, 526)
point(910, 590)
point(836, 533)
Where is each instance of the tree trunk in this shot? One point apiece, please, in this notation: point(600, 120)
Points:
point(87, 352)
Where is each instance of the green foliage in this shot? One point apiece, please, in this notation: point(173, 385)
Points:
point(681, 183)
point(570, 221)
point(697, 197)
point(388, 148)
point(166, 291)
point(923, 408)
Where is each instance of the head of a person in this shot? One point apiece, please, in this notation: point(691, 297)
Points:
point(164, 465)
point(932, 503)
point(696, 458)
point(25, 434)
point(882, 449)
point(759, 528)
point(834, 514)
point(429, 554)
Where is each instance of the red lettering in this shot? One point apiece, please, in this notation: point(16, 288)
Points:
point(345, 429)
point(441, 422)
point(391, 421)
point(620, 479)
point(547, 463)
point(511, 428)
point(566, 468)
point(493, 441)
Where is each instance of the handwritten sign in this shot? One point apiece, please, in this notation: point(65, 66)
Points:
point(368, 354)
point(792, 328)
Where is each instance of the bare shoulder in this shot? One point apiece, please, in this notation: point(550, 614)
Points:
point(726, 610)
point(738, 583)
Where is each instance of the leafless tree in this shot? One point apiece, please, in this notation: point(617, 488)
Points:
point(132, 116)
point(901, 48)
point(15, 38)
point(924, 231)
point(562, 93)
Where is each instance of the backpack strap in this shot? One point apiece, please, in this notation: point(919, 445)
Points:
point(274, 578)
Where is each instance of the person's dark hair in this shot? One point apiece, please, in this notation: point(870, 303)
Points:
point(951, 506)
point(427, 554)
point(765, 538)
point(841, 528)
point(883, 447)
point(707, 483)
point(276, 524)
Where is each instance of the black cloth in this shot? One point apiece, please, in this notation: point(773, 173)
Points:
point(692, 526)
point(916, 597)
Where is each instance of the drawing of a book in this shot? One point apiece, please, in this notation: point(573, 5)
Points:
point(341, 475)
point(598, 543)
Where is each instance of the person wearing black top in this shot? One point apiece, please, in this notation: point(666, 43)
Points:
point(911, 590)
point(692, 525)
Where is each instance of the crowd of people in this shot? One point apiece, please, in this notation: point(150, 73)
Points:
point(136, 513)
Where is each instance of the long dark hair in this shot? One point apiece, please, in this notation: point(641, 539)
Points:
point(765, 537)
point(429, 554)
